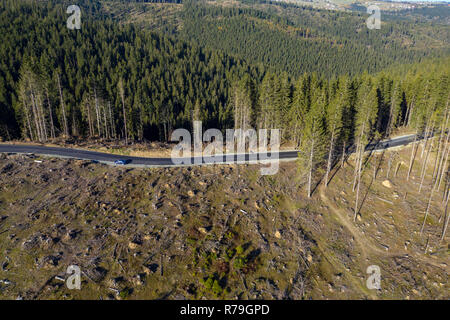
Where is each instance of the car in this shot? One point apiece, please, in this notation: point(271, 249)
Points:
point(121, 162)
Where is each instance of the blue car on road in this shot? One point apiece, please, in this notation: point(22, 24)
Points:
point(122, 162)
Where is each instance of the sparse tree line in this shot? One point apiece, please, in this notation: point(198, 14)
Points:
point(327, 119)
point(323, 118)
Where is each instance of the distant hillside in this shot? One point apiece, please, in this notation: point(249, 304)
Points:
point(291, 38)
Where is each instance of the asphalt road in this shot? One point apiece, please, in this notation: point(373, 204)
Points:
point(140, 161)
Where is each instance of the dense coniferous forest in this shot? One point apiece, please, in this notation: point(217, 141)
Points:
point(77, 73)
point(436, 14)
point(116, 82)
point(291, 38)
point(310, 40)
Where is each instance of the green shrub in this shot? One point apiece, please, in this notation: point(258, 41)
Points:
point(240, 262)
point(230, 253)
point(239, 250)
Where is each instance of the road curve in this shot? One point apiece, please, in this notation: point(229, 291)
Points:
point(158, 162)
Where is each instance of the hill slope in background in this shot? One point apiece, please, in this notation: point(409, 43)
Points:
point(291, 38)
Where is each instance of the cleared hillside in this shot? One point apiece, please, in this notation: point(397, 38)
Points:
point(216, 232)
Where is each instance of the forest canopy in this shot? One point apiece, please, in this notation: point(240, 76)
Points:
point(119, 82)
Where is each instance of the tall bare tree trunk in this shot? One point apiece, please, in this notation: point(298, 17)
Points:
point(330, 158)
point(105, 123)
point(42, 118)
point(446, 198)
point(111, 119)
point(97, 112)
point(427, 210)
point(88, 111)
point(441, 176)
point(424, 166)
point(409, 112)
point(52, 125)
point(63, 108)
point(35, 115)
point(361, 149)
point(441, 146)
point(355, 170)
point(444, 146)
point(343, 155)
point(29, 126)
point(375, 166)
point(428, 130)
point(122, 95)
point(359, 184)
point(311, 159)
point(389, 165)
point(413, 156)
point(357, 197)
point(444, 227)
point(441, 162)
point(27, 116)
point(444, 166)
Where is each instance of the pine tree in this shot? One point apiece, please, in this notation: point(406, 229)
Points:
point(334, 123)
point(299, 108)
point(244, 103)
point(267, 102)
point(394, 107)
point(313, 140)
point(124, 111)
point(62, 105)
point(365, 119)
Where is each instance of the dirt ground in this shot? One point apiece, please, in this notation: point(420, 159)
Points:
point(220, 232)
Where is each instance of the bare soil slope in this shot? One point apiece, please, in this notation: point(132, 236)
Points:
point(215, 232)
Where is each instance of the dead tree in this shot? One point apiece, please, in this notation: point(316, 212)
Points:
point(111, 119)
point(63, 108)
point(444, 166)
point(122, 96)
point(413, 156)
point(389, 166)
point(343, 155)
point(87, 108)
point(52, 125)
point(409, 112)
point(424, 166)
point(441, 145)
point(105, 122)
point(444, 227)
point(427, 210)
point(42, 117)
point(97, 112)
point(358, 182)
point(397, 168)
